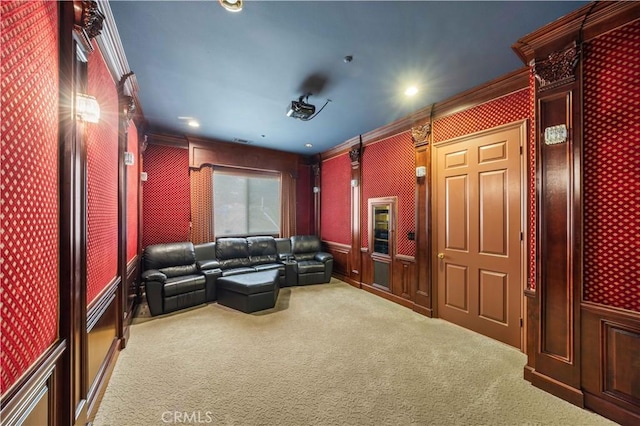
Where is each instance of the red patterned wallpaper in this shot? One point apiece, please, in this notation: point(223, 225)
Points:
point(506, 109)
point(388, 169)
point(612, 169)
point(29, 181)
point(132, 193)
point(335, 199)
point(304, 201)
point(166, 195)
point(102, 180)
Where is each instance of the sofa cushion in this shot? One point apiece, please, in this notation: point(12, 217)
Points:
point(237, 271)
point(232, 253)
point(176, 271)
point(305, 247)
point(308, 266)
point(183, 284)
point(262, 250)
point(270, 266)
point(158, 256)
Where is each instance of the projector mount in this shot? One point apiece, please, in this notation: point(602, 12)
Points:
point(303, 110)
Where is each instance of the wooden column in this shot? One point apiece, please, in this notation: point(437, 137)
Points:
point(355, 154)
point(421, 293)
point(556, 360)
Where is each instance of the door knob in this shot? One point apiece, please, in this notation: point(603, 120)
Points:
point(441, 255)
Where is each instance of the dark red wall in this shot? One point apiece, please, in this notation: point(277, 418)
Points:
point(388, 169)
point(612, 169)
point(166, 195)
point(29, 84)
point(335, 199)
point(102, 180)
point(133, 177)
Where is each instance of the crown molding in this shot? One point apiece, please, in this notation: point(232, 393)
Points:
point(114, 55)
point(601, 17)
point(512, 82)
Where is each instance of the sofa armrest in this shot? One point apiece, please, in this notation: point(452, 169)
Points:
point(154, 290)
point(323, 257)
point(154, 275)
point(285, 257)
point(205, 265)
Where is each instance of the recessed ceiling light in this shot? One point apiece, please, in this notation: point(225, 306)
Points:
point(411, 91)
point(308, 145)
point(193, 123)
point(231, 5)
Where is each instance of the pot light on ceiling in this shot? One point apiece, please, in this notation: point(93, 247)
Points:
point(308, 145)
point(411, 91)
point(191, 122)
point(231, 5)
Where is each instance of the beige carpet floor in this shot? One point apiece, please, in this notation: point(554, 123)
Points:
point(325, 355)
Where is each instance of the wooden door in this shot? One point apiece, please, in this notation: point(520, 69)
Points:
point(478, 217)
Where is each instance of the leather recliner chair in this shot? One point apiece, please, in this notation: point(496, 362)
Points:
point(172, 279)
point(313, 265)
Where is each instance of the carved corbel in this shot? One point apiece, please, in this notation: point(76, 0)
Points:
point(126, 102)
point(557, 69)
point(355, 154)
point(420, 134)
point(316, 170)
point(88, 22)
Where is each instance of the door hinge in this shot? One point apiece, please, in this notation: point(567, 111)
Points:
point(521, 322)
point(521, 150)
point(521, 236)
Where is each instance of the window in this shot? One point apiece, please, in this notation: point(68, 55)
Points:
point(246, 203)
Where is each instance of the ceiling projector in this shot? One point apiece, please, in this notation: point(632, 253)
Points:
point(301, 110)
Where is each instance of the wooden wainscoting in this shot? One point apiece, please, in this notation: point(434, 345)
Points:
point(611, 362)
point(102, 344)
point(341, 261)
point(131, 293)
point(32, 400)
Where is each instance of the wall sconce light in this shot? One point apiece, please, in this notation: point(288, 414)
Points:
point(316, 189)
point(421, 171)
point(87, 108)
point(354, 183)
point(231, 5)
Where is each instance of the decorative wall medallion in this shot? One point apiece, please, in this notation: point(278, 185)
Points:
point(558, 68)
point(354, 154)
point(316, 169)
point(555, 134)
point(421, 134)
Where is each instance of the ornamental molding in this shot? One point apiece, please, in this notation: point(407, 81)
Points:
point(355, 154)
point(420, 134)
point(557, 69)
point(88, 21)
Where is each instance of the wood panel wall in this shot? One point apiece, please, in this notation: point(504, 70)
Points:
point(584, 352)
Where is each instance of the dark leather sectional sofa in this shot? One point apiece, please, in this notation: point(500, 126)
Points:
point(180, 275)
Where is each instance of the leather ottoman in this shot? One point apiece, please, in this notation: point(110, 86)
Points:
point(249, 292)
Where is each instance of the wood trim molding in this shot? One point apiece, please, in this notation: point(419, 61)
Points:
point(25, 394)
point(166, 139)
point(114, 55)
point(501, 86)
point(101, 303)
point(595, 19)
point(216, 153)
